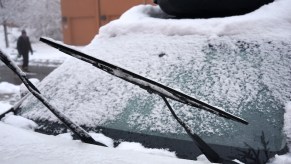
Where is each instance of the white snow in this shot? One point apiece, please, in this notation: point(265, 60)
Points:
point(139, 147)
point(102, 139)
point(270, 20)
point(203, 159)
point(4, 106)
point(281, 159)
point(135, 42)
point(99, 137)
point(233, 68)
point(22, 146)
point(42, 54)
point(65, 135)
point(19, 121)
point(8, 88)
point(9, 93)
point(134, 146)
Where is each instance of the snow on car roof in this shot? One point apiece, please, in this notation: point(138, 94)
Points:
point(272, 19)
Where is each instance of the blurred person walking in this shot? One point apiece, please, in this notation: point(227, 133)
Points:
point(23, 48)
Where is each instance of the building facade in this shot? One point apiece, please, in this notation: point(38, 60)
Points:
point(81, 19)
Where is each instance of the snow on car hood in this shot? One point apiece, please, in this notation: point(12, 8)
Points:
point(247, 74)
point(21, 146)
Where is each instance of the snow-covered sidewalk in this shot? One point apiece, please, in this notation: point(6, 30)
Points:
point(42, 54)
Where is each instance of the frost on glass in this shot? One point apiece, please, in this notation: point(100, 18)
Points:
point(247, 77)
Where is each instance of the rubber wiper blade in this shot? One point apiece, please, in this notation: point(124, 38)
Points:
point(145, 83)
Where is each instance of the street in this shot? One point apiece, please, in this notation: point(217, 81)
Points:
point(38, 72)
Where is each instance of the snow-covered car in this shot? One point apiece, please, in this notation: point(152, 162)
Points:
point(240, 64)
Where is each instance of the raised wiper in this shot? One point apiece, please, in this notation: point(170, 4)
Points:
point(145, 83)
point(77, 130)
point(157, 88)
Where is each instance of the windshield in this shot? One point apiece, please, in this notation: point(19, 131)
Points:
point(240, 77)
point(248, 78)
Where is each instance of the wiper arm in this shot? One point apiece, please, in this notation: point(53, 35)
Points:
point(77, 130)
point(210, 154)
point(14, 107)
point(144, 83)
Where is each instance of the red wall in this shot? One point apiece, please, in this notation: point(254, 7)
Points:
point(81, 19)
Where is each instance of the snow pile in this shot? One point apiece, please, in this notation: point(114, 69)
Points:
point(203, 159)
point(102, 139)
point(4, 106)
point(22, 146)
point(8, 88)
point(9, 94)
point(139, 147)
point(281, 159)
point(20, 122)
point(65, 135)
point(273, 19)
point(99, 137)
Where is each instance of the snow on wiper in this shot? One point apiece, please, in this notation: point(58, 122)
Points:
point(14, 107)
point(159, 89)
point(145, 83)
point(77, 130)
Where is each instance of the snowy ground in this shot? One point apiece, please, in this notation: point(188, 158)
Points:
point(22, 146)
point(42, 54)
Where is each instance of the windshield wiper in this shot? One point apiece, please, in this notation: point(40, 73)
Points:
point(157, 88)
point(145, 83)
point(76, 129)
point(14, 107)
point(210, 154)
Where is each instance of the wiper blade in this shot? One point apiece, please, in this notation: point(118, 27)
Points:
point(145, 83)
point(14, 107)
point(159, 89)
point(77, 130)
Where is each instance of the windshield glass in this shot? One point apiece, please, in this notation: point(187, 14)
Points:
point(246, 77)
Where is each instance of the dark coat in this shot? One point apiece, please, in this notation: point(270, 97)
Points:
point(23, 45)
